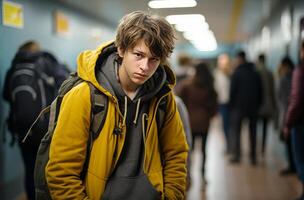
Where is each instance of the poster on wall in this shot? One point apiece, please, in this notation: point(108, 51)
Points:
point(61, 23)
point(12, 14)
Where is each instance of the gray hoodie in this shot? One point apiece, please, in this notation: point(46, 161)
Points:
point(128, 180)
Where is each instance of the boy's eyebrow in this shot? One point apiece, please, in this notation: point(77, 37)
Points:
point(144, 53)
point(139, 51)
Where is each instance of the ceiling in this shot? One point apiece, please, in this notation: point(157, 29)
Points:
point(230, 20)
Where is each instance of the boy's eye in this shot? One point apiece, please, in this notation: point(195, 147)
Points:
point(154, 59)
point(138, 55)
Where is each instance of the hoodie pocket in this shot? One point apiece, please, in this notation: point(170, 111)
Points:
point(130, 188)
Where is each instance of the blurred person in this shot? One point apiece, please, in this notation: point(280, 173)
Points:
point(294, 120)
point(131, 158)
point(245, 98)
point(268, 106)
point(284, 86)
point(222, 86)
point(184, 67)
point(30, 85)
point(184, 114)
point(199, 96)
point(182, 109)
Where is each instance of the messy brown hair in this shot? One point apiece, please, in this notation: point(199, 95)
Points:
point(30, 46)
point(156, 32)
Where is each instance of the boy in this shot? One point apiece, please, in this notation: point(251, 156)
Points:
point(131, 158)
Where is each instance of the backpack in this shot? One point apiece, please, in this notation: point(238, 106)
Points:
point(28, 90)
point(99, 103)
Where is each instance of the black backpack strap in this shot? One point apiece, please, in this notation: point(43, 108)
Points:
point(161, 113)
point(99, 107)
point(98, 110)
point(29, 132)
point(160, 120)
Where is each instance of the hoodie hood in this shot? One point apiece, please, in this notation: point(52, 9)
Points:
point(86, 69)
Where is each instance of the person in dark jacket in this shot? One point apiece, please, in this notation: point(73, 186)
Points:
point(200, 98)
point(245, 100)
point(285, 75)
point(27, 96)
point(268, 106)
point(294, 121)
point(24, 55)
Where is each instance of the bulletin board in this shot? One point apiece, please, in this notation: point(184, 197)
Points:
point(61, 23)
point(12, 14)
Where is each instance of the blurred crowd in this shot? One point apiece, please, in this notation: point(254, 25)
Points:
point(268, 98)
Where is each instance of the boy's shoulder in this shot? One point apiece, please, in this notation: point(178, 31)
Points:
point(80, 91)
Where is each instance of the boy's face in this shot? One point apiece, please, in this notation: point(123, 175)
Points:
point(138, 65)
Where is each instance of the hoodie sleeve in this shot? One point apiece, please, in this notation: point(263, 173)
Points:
point(175, 151)
point(68, 146)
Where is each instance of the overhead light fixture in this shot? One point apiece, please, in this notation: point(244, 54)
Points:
point(203, 40)
point(178, 19)
point(197, 34)
point(205, 47)
point(172, 3)
point(183, 27)
point(195, 29)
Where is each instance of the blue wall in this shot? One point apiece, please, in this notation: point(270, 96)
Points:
point(230, 49)
point(38, 25)
point(278, 47)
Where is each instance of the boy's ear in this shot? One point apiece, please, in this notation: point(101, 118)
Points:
point(120, 52)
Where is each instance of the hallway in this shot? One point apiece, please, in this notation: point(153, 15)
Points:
point(242, 182)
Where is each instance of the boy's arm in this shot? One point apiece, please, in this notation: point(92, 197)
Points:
point(175, 151)
point(69, 145)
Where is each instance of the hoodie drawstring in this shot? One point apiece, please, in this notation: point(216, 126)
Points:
point(143, 120)
point(125, 110)
point(137, 111)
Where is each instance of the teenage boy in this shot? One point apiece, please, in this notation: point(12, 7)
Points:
point(132, 158)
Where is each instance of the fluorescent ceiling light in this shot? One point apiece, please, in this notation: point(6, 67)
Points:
point(183, 27)
point(202, 40)
point(172, 3)
point(205, 45)
point(198, 35)
point(183, 19)
point(195, 29)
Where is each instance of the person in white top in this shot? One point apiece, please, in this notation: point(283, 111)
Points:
point(222, 87)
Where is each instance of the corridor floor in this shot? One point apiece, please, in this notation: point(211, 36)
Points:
point(243, 181)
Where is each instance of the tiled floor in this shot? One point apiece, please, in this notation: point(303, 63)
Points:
point(243, 181)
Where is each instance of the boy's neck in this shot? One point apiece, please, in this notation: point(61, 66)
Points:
point(127, 86)
point(130, 92)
